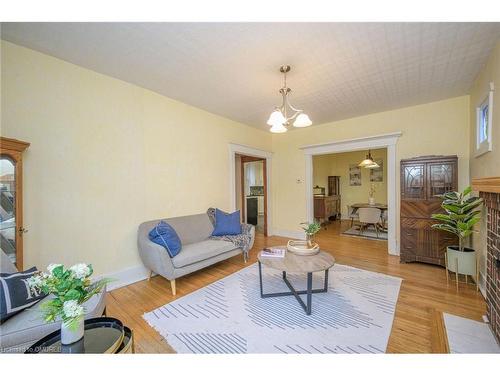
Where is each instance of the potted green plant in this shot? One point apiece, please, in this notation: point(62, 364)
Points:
point(71, 287)
point(311, 229)
point(462, 213)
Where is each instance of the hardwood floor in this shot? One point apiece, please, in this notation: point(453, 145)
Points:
point(417, 327)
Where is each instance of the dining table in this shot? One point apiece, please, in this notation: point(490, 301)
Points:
point(380, 206)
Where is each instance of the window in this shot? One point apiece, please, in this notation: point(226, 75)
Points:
point(484, 123)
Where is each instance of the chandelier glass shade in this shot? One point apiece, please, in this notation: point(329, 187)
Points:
point(368, 162)
point(282, 116)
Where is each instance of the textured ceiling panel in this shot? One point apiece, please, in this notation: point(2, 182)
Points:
point(339, 70)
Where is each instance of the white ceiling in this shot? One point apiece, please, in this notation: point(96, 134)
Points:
point(339, 70)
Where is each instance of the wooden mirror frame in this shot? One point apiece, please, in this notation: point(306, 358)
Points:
point(13, 149)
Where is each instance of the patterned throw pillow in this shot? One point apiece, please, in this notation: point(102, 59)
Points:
point(15, 294)
point(164, 235)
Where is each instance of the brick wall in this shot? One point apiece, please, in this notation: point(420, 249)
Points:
point(492, 203)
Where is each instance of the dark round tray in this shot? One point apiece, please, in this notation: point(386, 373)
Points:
point(101, 335)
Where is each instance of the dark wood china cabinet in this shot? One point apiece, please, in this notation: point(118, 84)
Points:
point(422, 178)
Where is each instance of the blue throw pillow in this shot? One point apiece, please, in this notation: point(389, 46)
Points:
point(164, 235)
point(226, 224)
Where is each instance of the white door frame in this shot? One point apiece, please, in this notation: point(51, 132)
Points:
point(234, 149)
point(379, 141)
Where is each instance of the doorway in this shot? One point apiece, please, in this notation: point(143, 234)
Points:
point(255, 187)
point(387, 141)
point(251, 195)
point(354, 195)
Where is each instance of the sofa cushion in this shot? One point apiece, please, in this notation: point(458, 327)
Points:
point(23, 329)
point(190, 229)
point(199, 251)
point(15, 295)
point(164, 235)
point(227, 224)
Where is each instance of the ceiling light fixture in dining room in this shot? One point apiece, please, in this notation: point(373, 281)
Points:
point(279, 119)
point(369, 162)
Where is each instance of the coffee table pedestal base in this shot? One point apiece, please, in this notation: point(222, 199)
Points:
point(296, 293)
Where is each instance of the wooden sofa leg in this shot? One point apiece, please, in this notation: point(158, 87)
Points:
point(172, 286)
point(150, 275)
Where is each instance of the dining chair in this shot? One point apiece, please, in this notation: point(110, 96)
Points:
point(352, 213)
point(367, 217)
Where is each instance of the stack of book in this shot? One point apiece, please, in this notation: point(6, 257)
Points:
point(273, 252)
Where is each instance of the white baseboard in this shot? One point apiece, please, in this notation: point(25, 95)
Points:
point(127, 276)
point(299, 235)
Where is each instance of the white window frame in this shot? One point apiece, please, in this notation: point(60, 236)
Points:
point(486, 145)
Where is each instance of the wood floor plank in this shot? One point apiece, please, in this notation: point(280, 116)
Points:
point(424, 292)
point(439, 338)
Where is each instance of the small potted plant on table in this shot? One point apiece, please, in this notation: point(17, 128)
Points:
point(311, 229)
point(462, 213)
point(307, 247)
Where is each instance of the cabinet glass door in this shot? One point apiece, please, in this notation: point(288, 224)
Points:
point(8, 207)
point(441, 179)
point(413, 181)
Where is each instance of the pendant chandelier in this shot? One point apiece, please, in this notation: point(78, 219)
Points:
point(282, 116)
point(369, 162)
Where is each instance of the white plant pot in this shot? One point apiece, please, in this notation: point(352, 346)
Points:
point(466, 260)
point(371, 201)
point(68, 335)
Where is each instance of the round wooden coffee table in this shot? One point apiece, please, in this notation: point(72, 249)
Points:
point(298, 264)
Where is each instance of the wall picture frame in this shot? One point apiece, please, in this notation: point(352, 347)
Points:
point(354, 175)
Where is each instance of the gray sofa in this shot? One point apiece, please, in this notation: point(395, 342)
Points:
point(25, 328)
point(198, 250)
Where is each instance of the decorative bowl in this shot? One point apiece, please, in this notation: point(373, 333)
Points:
point(302, 248)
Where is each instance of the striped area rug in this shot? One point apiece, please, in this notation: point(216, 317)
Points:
point(229, 316)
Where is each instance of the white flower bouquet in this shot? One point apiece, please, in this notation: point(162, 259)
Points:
point(71, 287)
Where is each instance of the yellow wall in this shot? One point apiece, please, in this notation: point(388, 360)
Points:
point(105, 156)
point(488, 164)
point(435, 128)
point(338, 165)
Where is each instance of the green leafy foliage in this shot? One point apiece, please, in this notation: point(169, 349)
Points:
point(311, 228)
point(66, 284)
point(462, 214)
